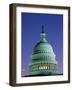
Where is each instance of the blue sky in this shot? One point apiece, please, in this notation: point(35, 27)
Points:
point(31, 28)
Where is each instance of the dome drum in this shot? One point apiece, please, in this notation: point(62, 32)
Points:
point(43, 68)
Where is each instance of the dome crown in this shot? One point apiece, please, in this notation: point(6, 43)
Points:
point(43, 35)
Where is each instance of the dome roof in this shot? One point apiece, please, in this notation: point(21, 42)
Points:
point(43, 47)
point(43, 50)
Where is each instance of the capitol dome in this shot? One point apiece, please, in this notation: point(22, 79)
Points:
point(43, 60)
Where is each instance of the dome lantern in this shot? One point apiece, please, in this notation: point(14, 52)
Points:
point(43, 35)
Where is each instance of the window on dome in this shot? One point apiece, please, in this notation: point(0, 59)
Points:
point(52, 66)
point(48, 67)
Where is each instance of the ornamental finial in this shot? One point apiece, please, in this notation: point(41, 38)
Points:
point(42, 29)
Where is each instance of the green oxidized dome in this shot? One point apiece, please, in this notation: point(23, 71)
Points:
point(43, 57)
